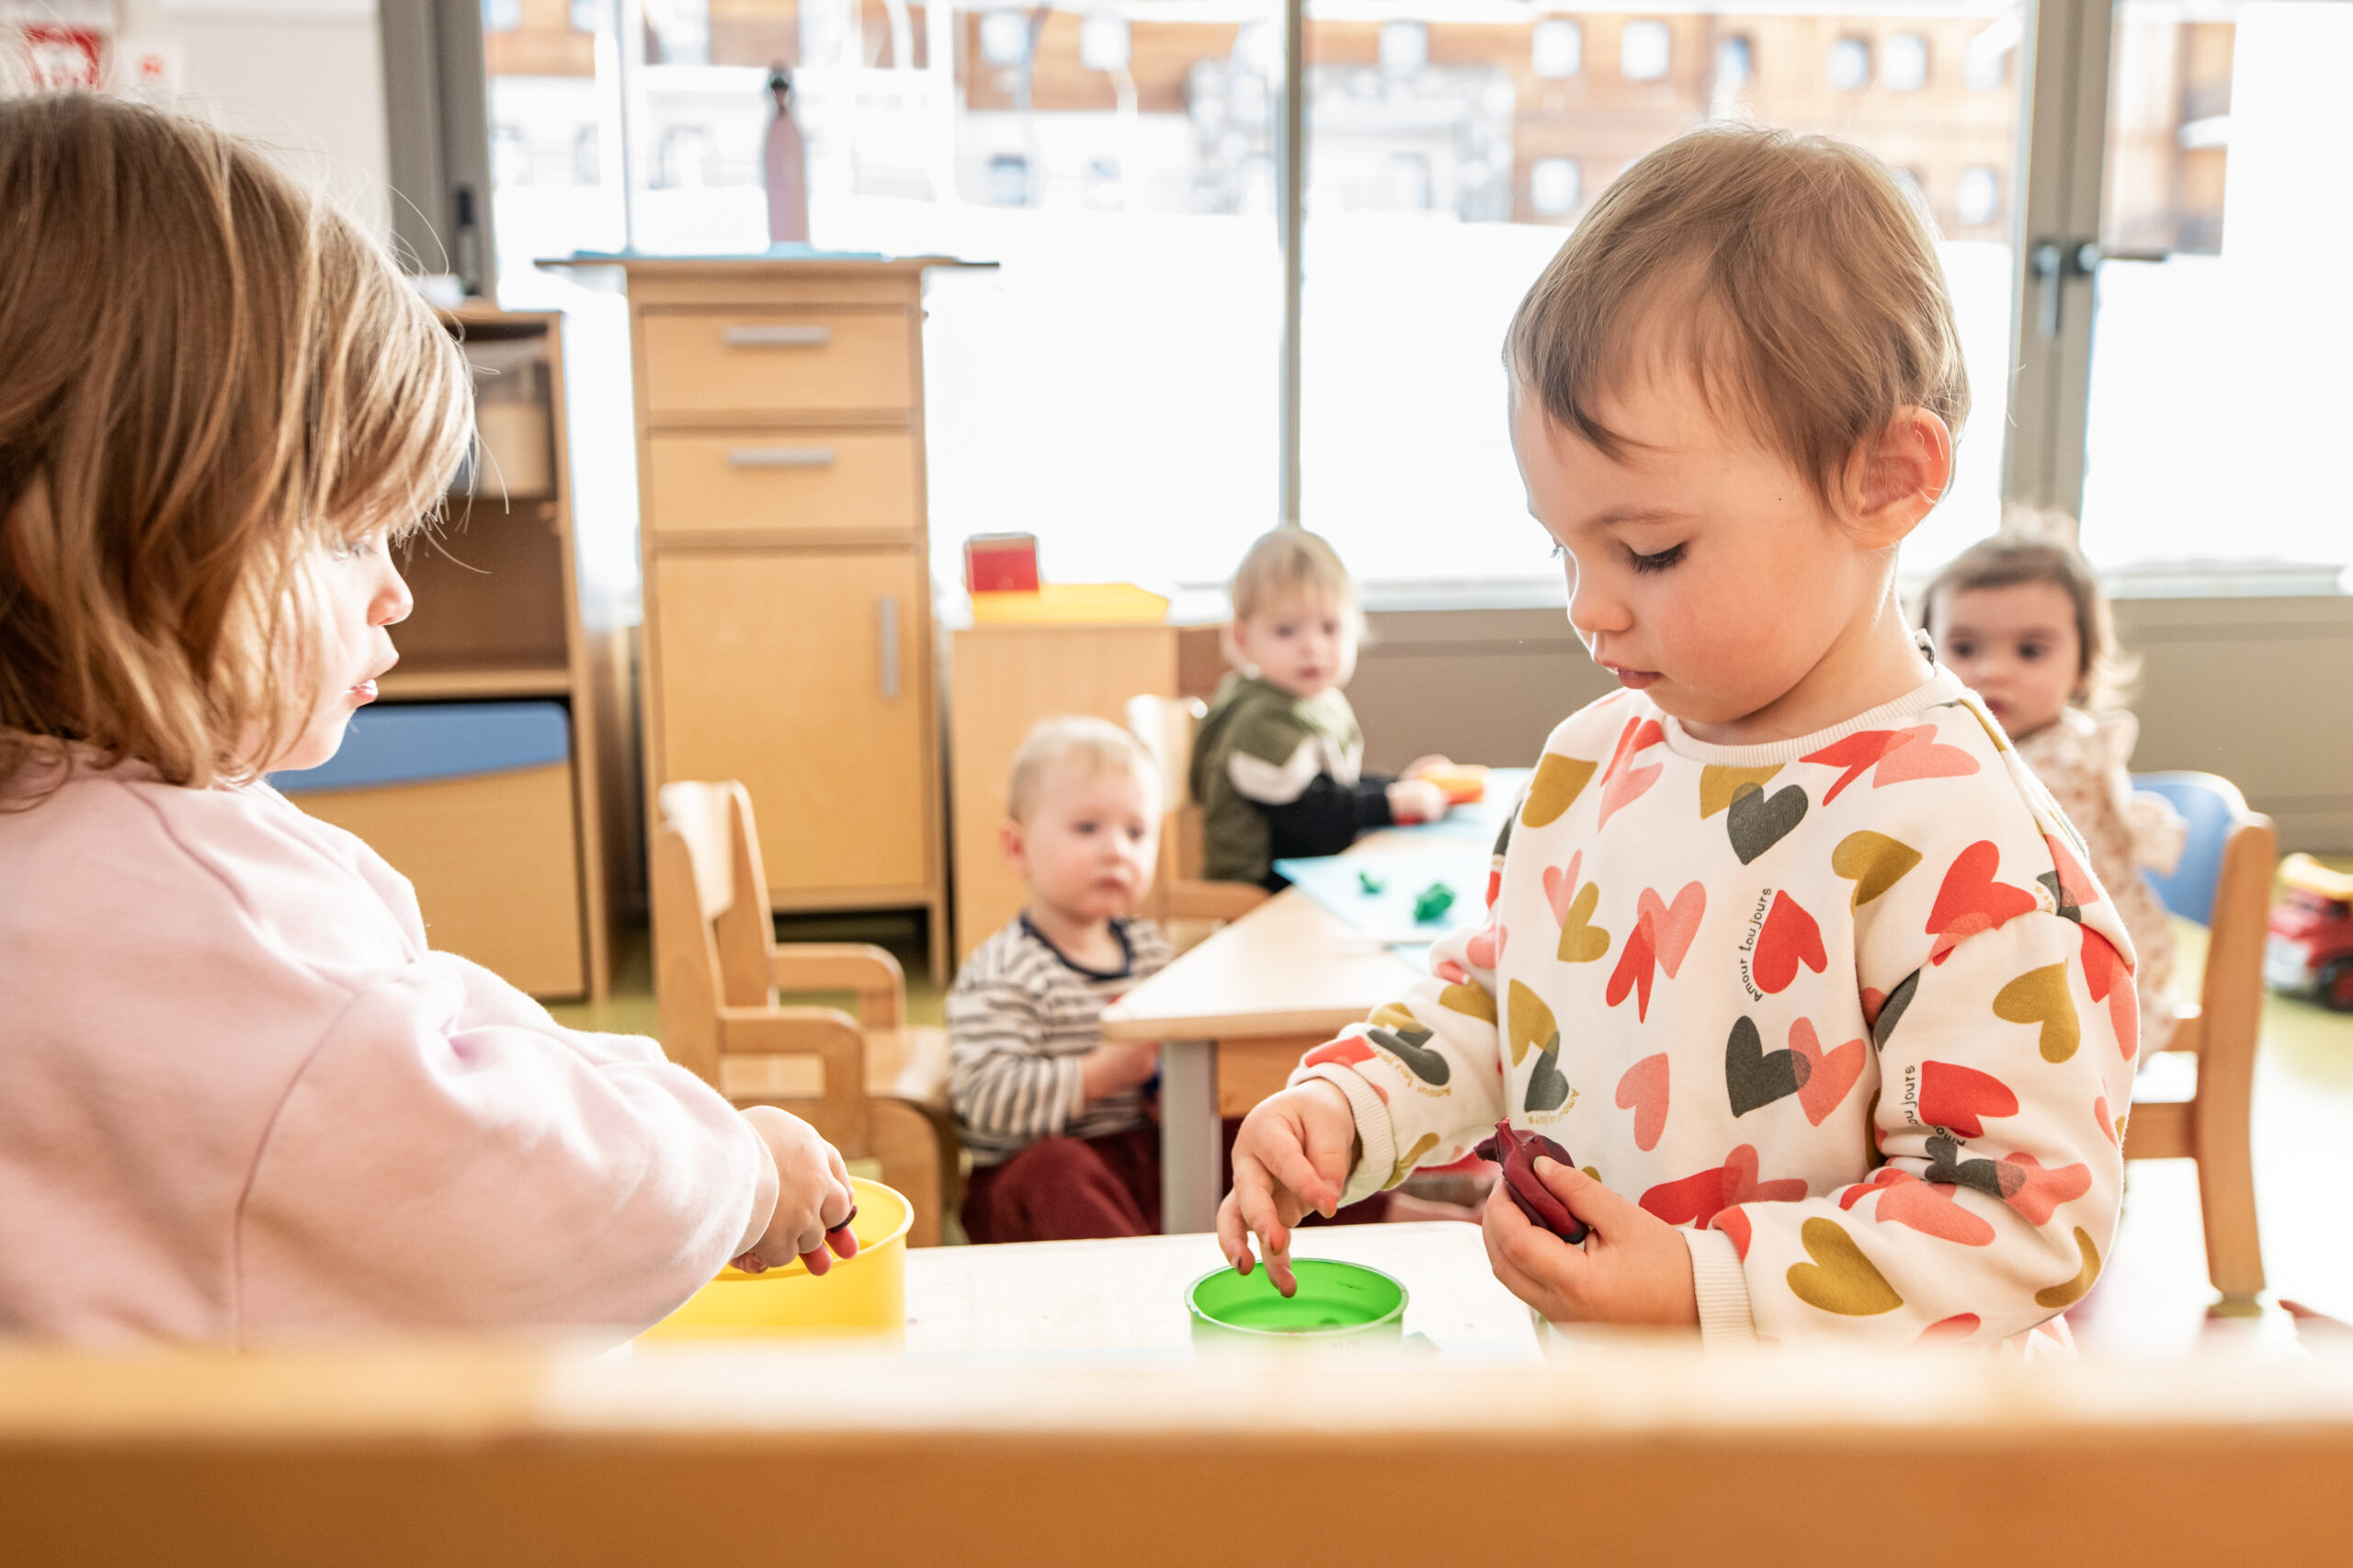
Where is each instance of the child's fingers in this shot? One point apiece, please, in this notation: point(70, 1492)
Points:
point(817, 1261)
point(1294, 1170)
point(1588, 1199)
point(1233, 1235)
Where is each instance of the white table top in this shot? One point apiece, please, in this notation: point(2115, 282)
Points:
point(1126, 1297)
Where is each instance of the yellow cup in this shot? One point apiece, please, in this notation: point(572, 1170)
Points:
point(862, 1295)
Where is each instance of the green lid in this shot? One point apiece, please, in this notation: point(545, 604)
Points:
point(1333, 1300)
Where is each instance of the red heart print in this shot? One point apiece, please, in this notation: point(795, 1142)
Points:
point(1452, 972)
point(1561, 886)
point(1636, 962)
point(1672, 927)
point(1485, 947)
point(1915, 753)
point(2075, 884)
point(1834, 1072)
point(1342, 1053)
point(1695, 1199)
point(2109, 979)
point(1959, 1098)
point(1642, 1090)
point(1791, 937)
point(2107, 1122)
point(1854, 754)
point(1732, 1222)
point(1930, 1208)
point(1872, 1001)
point(2042, 1189)
point(1623, 789)
point(1970, 900)
point(1958, 1326)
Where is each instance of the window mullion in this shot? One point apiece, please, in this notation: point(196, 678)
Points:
point(1291, 176)
point(2065, 121)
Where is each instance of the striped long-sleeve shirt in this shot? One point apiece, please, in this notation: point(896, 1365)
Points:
point(1019, 1017)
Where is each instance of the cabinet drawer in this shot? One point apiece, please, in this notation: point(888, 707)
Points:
point(781, 483)
point(781, 362)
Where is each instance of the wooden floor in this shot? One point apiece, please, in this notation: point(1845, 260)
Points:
point(2154, 1297)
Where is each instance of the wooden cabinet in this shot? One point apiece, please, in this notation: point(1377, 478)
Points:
point(788, 638)
point(1004, 680)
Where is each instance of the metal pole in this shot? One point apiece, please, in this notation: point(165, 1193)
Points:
point(1291, 198)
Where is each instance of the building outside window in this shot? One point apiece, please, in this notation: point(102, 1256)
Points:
point(1122, 166)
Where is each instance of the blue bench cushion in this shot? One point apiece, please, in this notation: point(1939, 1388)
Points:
point(416, 741)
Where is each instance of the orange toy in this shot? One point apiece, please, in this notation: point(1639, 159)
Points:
point(1462, 785)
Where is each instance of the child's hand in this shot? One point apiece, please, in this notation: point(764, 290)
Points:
point(1633, 1268)
point(1292, 1156)
point(1423, 766)
point(1115, 1066)
point(812, 1195)
point(1416, 800)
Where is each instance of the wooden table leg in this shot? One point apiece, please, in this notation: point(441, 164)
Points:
point(1190, 1145)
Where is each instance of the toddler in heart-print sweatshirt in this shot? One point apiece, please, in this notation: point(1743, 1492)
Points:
point(1848, 1007)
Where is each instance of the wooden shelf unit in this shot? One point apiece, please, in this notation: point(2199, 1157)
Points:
point(497, 618)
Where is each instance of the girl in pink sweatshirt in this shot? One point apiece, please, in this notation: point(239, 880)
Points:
point(240, 1097)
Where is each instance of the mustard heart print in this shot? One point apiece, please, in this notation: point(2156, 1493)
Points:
point(2039, 996)
point(1840, 1278)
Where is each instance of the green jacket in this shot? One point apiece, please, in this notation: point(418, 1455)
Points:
point(1277, 778)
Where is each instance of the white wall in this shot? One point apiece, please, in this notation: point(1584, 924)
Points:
point(303, 76)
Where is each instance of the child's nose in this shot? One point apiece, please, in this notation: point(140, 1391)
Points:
point(393, 601)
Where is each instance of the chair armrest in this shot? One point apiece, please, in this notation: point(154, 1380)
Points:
point(872, 972)
point(826, 1033)
point(1213, 901)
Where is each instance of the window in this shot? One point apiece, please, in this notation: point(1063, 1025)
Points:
point(1643, 51)
point(1850, 65)
point(1735, 63)
point(1103, 44)
point(2218, 394)
point(1904, 62)
point(1404, 46)
point(1005, 38)
point(1977, 200)
point(1402, 435)
point(1552, 187)
point(1985, 59)
point(1556, 48)
point(501, 16)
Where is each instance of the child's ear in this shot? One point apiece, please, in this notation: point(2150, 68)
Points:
point(1893, 484)
point(1016, 852)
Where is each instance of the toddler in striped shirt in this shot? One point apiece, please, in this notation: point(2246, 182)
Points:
point(1064, 1145)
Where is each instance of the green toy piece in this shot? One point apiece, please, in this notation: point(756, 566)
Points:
point(1432, 902)
point(1373, 886)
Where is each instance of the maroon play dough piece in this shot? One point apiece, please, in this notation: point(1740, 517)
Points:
point(1517, 1152)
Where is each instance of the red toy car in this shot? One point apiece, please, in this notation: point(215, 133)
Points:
point(2311, 948)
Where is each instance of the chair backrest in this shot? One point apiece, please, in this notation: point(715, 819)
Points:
point(2210, 805)
point(1165, 726)
point(713, 944)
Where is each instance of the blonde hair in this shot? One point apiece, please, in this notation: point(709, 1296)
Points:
point(210, 376)
point(1290, 561)
point(1102, 746)
point(1787, 273)
point(2035, 546)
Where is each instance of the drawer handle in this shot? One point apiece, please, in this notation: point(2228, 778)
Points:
point(780, 457)
point(779, 335)
point(890, 617)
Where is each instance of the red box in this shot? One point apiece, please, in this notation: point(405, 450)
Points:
point(1001, 564)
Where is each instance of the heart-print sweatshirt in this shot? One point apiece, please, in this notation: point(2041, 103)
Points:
point(1850, 1009)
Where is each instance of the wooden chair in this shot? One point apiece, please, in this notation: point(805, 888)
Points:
point(875, 1088)
point(2193, 1100)
point(1184, 905)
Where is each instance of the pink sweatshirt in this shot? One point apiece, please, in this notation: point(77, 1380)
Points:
point(240, 1100)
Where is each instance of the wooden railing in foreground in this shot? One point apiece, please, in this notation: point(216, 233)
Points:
point(1605, 1455)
